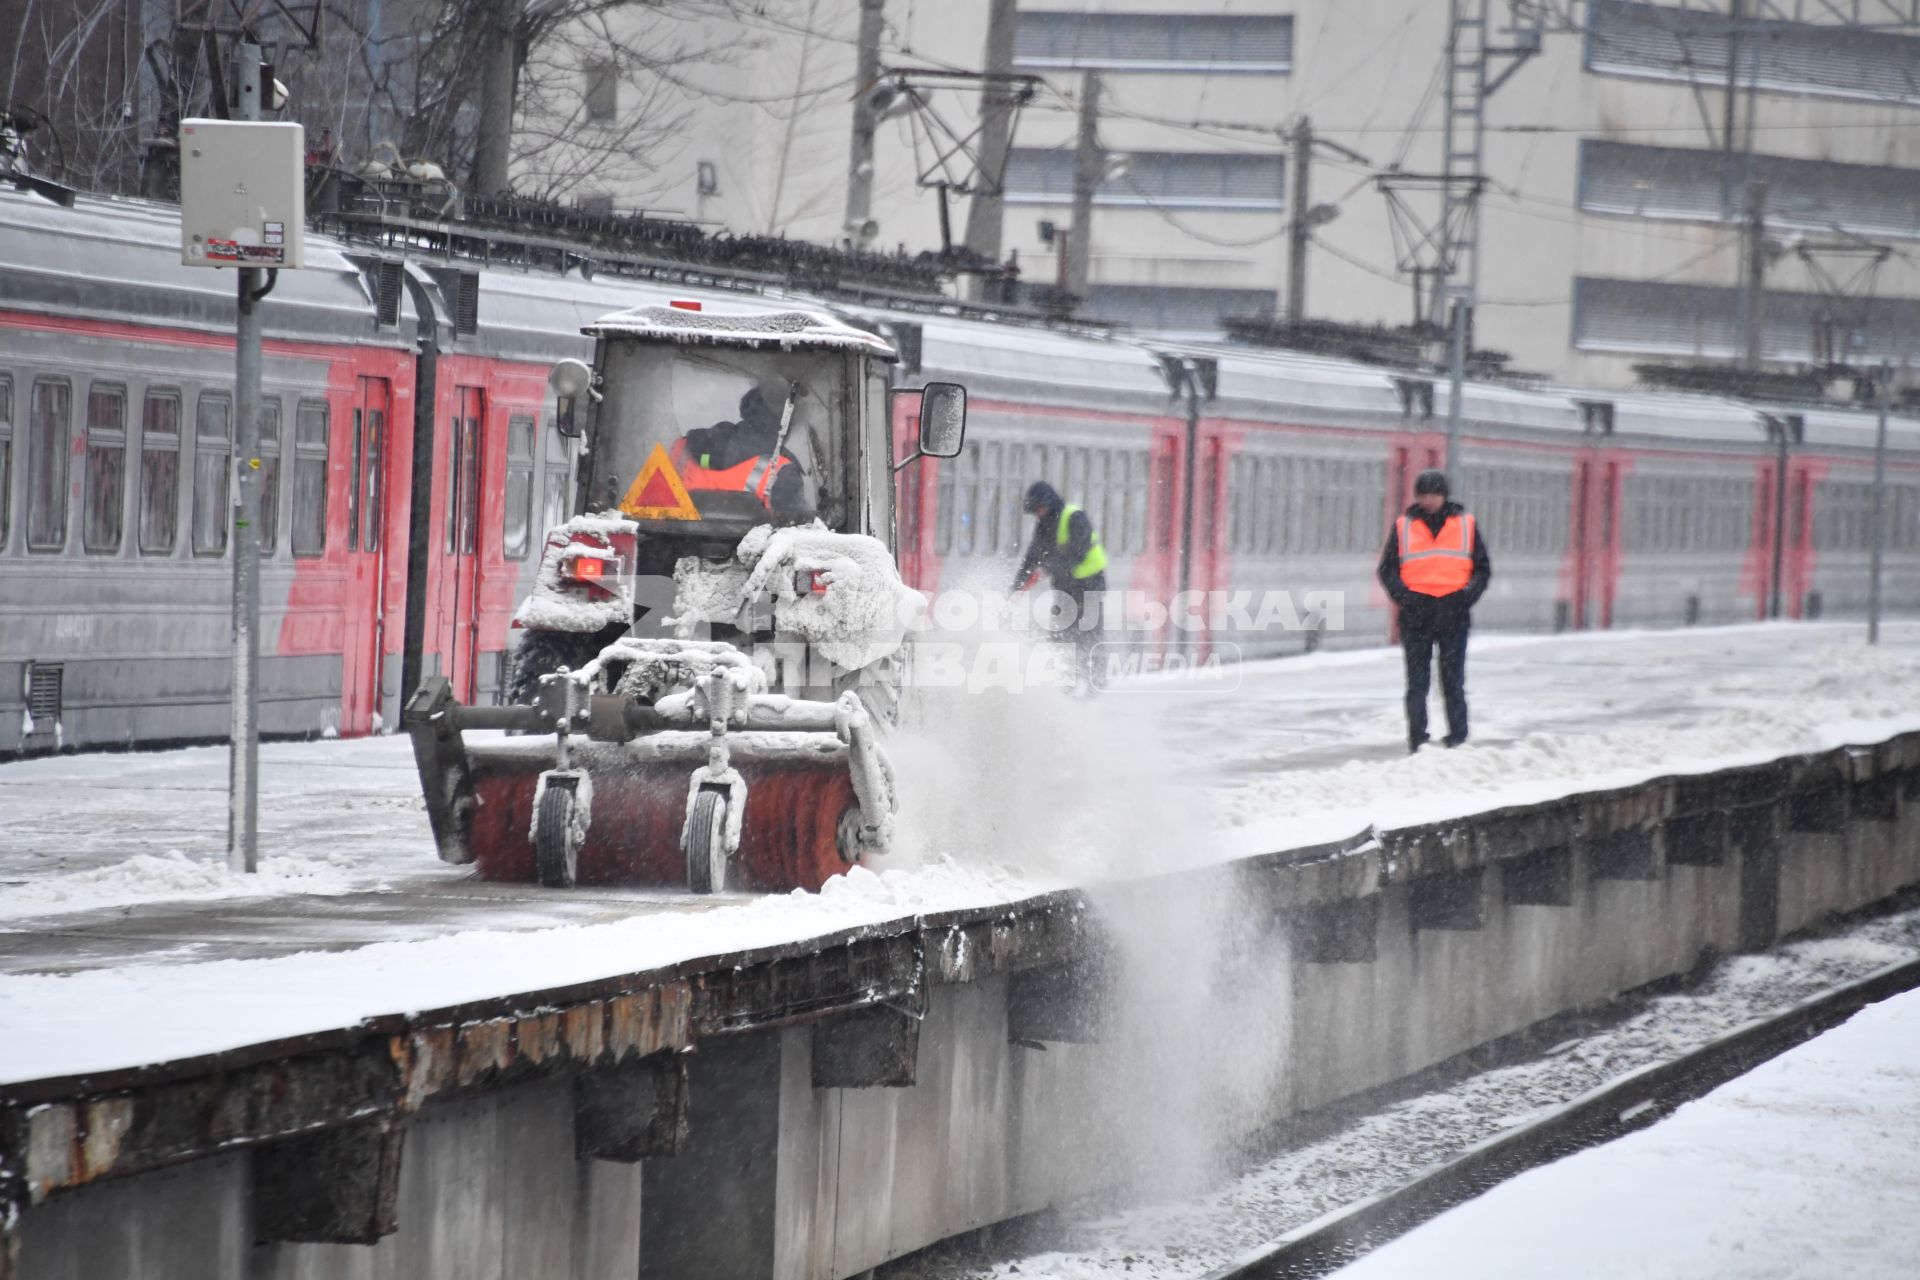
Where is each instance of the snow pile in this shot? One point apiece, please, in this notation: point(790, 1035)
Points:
point(863, 614)
point(706, 591)
point(173, 875)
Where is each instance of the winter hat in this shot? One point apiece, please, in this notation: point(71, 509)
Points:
point(1431, 482)
point(1041, 497)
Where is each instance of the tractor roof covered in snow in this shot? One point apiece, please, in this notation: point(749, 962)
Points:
point(780, 330)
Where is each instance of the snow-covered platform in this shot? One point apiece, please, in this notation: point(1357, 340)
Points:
point(1803, 1167)
point(1209, 912)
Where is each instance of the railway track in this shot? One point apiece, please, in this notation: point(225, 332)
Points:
point(1633, 1101)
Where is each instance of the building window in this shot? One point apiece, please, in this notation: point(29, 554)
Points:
point(48, 448)
point(1667, 42)
point(1159, 42)
point(1155, 179)
point(104, 513)
point(309, 536)
point(1695, 185)
point(212, 463)
point(601, 94)
point(269, 476)
point(6, 460)
point(159, 472)
point(517, 534)
point(1696, 320)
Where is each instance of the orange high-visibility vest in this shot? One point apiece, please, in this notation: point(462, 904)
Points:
point(754, 476)
point(1436, 564)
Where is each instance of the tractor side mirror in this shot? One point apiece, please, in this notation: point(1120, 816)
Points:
point(943, 419)
point(570, 379)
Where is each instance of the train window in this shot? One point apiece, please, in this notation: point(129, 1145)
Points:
point(104, 513)
point(966, 499)
point(516, 535)
point(1142, 488)
point(49, 446)
point(269, 475)
point(159, 472)
point(6, 459)
point(556, 500)
point(212, 462)
point(374, 509)
point(989, 532)
point(943, 500)
point(353, 479)
point(1015, 491)
point(309, 537)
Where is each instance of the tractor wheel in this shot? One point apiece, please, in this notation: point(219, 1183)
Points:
point(555, 855)
point(707, 843)
point(541, 653)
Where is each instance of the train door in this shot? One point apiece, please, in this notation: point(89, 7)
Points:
point(1211, 567)
point(364, 644)
point(1797, 573)
point(1593, 543)
point(460, 570)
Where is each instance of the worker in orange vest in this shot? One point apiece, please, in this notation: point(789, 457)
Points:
point(748, 456)
point(1435, 567)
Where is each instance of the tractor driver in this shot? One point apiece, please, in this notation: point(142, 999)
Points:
point(750, 455)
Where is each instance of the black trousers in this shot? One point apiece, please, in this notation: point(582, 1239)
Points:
point(1419, 645)
point(1089, 625)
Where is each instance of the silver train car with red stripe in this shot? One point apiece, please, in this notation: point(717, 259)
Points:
point(412, 469)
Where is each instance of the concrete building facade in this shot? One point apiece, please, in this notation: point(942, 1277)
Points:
point(1622, 162)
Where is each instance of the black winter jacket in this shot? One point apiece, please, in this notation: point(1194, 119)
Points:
point(1045, 552)
point(1420, 612)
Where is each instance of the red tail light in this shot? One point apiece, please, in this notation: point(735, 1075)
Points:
point(683, 304)
point(585, 570)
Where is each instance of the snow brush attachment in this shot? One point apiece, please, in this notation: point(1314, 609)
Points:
point(660, 762)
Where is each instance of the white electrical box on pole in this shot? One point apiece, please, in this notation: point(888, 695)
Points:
point(243, 205)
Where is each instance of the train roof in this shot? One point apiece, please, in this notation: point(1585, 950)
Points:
point(1034, 364)
point(740, 326)
point(109, 260)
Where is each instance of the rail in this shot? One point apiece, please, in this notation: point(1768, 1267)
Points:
point(1633, 1101)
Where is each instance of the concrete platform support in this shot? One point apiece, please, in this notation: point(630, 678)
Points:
point(488, 1189)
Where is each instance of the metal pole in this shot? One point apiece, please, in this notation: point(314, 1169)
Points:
point(1753, 295)
point(1087, 163)
point(1298, 228)
point(1884, 397)
point(866, 70)
point(243, 783)
point(987, 215)
point(1456, 378)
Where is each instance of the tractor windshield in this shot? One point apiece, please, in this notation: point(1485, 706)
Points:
point(706, 434)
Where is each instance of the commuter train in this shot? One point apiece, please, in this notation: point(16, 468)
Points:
point(411, 466)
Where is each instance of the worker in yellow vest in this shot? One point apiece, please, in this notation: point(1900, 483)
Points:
point(1066, 546)
point(1435, 567)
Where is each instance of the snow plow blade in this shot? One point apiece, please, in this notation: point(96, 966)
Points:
point(603, 789)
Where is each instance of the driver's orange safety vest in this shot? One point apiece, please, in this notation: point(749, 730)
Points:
point(1436, 564)
point(754, 476)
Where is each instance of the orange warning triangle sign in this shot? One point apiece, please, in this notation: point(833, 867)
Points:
point(657, 493)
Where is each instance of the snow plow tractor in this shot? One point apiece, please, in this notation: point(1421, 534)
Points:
point(705, 672)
